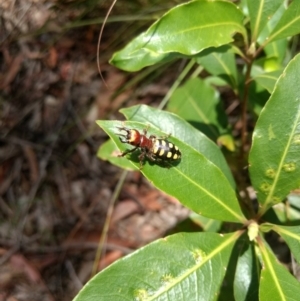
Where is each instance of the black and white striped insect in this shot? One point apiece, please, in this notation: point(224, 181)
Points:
point(156, 149)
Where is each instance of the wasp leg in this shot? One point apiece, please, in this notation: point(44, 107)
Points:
point(150, 156)
point(165, 163)
point(122, 128)
point(161, 162)
point(166, 136)
point(146, 130)
point(141, 158)
point(127, 152)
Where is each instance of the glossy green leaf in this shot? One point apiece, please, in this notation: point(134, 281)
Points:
point(272, 64)
point(200, 104)
point(289, 23)
point(187, 179)
point(247, 274)
point(207, 224)
point(277, 50)
point(274, 156)
point(226, 292)
point(285, 213)
point(220, 62)
point(215, 81)
point(294, 199)
point(282, 213)
point(108, 151)
point(134, 56)
point(209, 24)
point(270, 25)
point(260, 12)
point(291, 235)
point(268, 79)
point(177, 127)
point(276, 283)
point(185, 266)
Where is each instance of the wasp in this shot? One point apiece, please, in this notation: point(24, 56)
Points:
point(156, 149)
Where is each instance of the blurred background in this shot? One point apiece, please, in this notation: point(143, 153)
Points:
point(55, 194)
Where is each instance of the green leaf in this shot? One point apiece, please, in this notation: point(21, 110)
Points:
point(227, 140)
point(268, 79)
point(209, 24)
point(134, 57)
point(220, 62)
point(259, 13)
point(285, 213)
point(215, 81)
point(246, 275)
point(185, 266)
point(274, 156)
point(177, 127)
point(200, 104)
point(108, 151)
point(292, 237)
point(289, 23)
point(207, 224)
point(258, 97)
point(272, 22)
point(294, 200)
point(276, 283)
point(282, 213)
point(277, 50)
point(187, 179)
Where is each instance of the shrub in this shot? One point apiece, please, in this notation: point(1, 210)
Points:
point(245, 47)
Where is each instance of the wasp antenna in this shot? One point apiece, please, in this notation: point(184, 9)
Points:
point(122, 128)
point(99, 42)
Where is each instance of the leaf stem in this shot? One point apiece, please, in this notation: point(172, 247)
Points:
point(107, 221)
point(244, 108)
point(187, 68)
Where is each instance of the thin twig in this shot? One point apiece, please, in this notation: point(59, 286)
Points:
point(180, 78)
point(107, 220)
point(244, 110)
point(99, 40)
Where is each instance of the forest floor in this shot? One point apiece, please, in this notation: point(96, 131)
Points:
point(54, 191)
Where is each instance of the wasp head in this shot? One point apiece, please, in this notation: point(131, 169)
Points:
point(132, 136)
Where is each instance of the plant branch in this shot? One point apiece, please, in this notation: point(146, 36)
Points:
point(244, 108)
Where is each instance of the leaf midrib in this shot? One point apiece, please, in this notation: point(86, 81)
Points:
point(287, 233)
point(194, 28)
point(241, 219)
point(279, 170)
point(272, 37)
point(225, 68)
point(258, 19)
point(191, 270)
point(273, 274)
